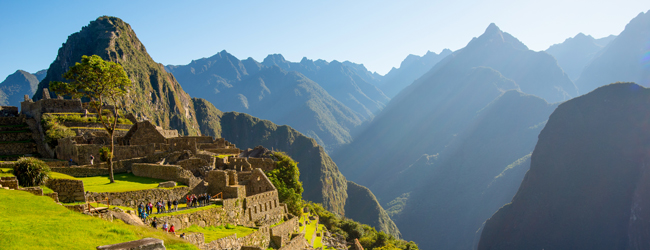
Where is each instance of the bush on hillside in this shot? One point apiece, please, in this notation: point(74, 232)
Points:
point(368, 236)
point(55, 131)
point(31, 172)
point(286, 178)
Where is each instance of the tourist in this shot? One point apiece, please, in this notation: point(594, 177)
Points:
point(175, 203)
point(154, 223)
point(92, 158)
point(165, 226)
point(182, 235)
point(194, 200)
point(187, 197)
point(169, 206)
point(172, 229)
point(200, 199)
point(149, 208)
point(209, 197)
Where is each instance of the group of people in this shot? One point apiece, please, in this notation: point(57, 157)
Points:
point(198, 201)
point(165, 227)
point(144, 210)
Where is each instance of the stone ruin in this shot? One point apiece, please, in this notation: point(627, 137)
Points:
point(204, 164)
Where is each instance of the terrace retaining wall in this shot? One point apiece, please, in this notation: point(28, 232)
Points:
point(133, 198)
point(68, 190)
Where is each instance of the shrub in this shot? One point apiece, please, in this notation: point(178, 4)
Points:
point(105, 154)
point(55, 131)
point(286, 179)
point(31, 172)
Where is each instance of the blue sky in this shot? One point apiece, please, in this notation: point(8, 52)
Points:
point(379, 34)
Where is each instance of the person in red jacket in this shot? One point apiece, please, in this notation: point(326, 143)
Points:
point(172, 230)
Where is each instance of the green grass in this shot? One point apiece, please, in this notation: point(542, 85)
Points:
point(36, 222)
point(6, 172)
point(123, 182)
point(184, 211)
point(218, 232)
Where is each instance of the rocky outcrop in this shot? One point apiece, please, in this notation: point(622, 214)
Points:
point(588, 180)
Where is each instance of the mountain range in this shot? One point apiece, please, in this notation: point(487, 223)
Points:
point(455, 142)
point(157, 96)
point(14, 88)
point(575, 53)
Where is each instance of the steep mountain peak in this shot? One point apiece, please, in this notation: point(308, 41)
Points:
point(275, 59)
point(493, 36)
point(156, 95)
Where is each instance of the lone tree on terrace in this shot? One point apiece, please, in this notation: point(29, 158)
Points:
point(104, 83)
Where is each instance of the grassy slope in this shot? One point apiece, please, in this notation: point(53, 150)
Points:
point(123, 182)
point(31, 222)
point(215, 233)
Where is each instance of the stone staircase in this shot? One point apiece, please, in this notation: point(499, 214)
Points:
point(16, 138)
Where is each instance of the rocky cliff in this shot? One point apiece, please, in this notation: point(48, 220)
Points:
point(587, 185)
point(155, 96)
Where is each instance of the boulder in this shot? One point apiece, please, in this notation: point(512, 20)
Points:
point(167, 184)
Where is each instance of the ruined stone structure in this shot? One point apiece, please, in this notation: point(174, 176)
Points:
point(10, 182)
point(68, 190)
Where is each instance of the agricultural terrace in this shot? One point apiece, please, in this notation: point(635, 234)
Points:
point(123, 182)
point(36, 222)
point(217, 232)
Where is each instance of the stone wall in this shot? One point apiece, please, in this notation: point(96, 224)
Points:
point(224, 151)
point(18, 148)
point(193, 165)
point(33, 190)
point(256, 240)
point(54, 196)
point(297, 243)
point(133, 198)
point(35, 109)
point(208, 158)
point(239, 164)
point(10, 182)
point(165, 172)
point(8, 111)
point(12, 120)
point(80, 153)
point(182, 144)
point(216, 216)
point(143, 133)
point(281, 234)
point(68, 190)
point(20, 136)
point(264, 208)
point(260, 238)
point(225, 182)
point(143, 244)
point(265, 164)
point(88, 171)
point(258, 183)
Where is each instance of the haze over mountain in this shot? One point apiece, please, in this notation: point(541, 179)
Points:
point(625, 59)
point(576, 52)
point(323, 100)
point(588, 183)
point(410, 69)
point(14, 88)
point(453, 144)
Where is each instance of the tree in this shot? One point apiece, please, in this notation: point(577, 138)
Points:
point(104, 83)
point(286, 179)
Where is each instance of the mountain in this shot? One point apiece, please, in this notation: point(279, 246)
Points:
point(322, 181)
point(155, 96)
point(576, 52)
point(284, 96)
point(588, 182)
point(410, 69)
point(14, 88)
point(363, 72)
point(339, 80)
point(625, 59)
point(455, 142)
point(40, 74)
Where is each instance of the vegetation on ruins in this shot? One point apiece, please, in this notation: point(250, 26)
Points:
point(35, 222)
point(31, 171)
point(54, 131)
point(368, 236)
point(286, 179)
point(104, 83)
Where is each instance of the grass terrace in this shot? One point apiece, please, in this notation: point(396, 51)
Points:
point(123, 182)
point(309, 227)
point(218, 232)
point(36, 222)
point(182, 210)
